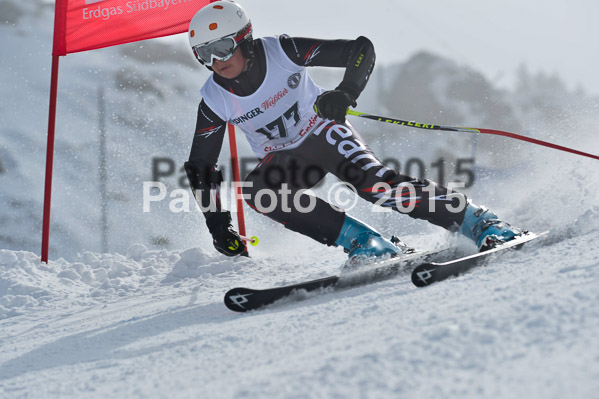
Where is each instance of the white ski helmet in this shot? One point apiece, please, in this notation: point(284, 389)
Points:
point(217, 30)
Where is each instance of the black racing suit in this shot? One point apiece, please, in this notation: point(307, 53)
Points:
point(318, 154)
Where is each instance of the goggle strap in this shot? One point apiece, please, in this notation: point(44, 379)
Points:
point(243, 33)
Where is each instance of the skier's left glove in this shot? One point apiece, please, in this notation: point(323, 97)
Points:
point(333, 105)
point(224, 237)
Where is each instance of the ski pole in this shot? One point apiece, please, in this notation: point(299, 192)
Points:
point(429, 126)
point(252, 240)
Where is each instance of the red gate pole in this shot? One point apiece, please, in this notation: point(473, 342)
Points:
point(49, 158)
point(236, 179)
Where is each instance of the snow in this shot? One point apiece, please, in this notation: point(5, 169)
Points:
point(523, 326)
point(147, 318)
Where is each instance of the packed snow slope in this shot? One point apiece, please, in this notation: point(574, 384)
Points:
point(152, 324)
point(147, 319)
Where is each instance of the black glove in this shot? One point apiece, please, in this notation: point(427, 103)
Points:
point(224, 237)
point(227, 241)
point(333, 105)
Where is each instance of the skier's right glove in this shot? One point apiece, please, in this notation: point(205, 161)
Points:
point(224, 237)
point(333, 105)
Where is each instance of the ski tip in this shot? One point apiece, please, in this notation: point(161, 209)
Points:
point(236, 299)
point(421, 275)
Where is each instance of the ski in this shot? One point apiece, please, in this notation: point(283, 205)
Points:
point(244, 299)
point(428, 273)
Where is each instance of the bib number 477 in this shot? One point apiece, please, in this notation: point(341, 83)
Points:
point(279, 125)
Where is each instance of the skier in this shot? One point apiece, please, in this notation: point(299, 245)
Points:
point(299, 132)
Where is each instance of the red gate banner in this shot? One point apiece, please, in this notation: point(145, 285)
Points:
point(82, 25)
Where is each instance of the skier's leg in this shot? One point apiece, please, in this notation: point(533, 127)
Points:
point(355, 236)
point(352, 161)
point(345, 154)
point(275, 189)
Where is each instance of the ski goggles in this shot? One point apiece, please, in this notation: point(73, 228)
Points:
point(221, 49)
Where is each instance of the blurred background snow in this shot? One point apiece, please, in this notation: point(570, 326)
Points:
point(150, 92)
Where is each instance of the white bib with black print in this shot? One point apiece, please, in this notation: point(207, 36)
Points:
point(280, 114)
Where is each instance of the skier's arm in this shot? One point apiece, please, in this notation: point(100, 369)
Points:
point(357, 56)
point(208, 137)
point(204, 179)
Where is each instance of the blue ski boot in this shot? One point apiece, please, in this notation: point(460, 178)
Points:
point(360, 240)
point(485, 228)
